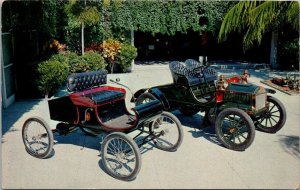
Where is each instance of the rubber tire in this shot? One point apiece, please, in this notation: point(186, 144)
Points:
point(188, 111)
point(89, 132)
point(136, 151)
point(143, 97)
point(180, 136)
point(282, 118)
point(241, 114)
point(49, 134)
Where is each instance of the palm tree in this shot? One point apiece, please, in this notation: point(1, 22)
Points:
point(258, 17)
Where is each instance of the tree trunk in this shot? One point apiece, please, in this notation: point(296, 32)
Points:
point(82, 38)
point(82, 34)
point(132, 43)
point(273, 52)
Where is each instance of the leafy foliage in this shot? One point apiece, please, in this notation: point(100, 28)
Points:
point(289, 54)
point(82, 12)
point(90, 61)
point(94, 60)
point(126, 55)
point(51, 75)
point(168, 17)
point(258, 17)
point(110, 49)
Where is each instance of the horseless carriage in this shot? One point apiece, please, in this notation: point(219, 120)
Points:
point(235, 106)
point(96, 108)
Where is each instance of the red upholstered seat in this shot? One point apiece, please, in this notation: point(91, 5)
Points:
point(97, 96)
point(104, 96)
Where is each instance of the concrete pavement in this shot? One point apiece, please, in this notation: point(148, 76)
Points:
point(272, 161)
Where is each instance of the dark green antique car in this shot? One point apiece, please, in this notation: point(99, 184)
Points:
point(235, 106)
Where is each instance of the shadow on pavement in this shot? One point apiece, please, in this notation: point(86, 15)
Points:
point(82, 140)
point(290, 144)
point(11, 114)
point(199, 131)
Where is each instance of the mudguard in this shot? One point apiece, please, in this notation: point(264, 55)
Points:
point(271, 91)
point(137, 94)
point(161, 97)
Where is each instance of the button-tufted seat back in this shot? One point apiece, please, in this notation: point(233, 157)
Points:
point(87, 80)
point(184, 73)
point(192, 64)
point(177, 67)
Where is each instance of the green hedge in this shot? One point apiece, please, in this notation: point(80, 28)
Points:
point(126, 55)
point(53, 72)
point(51, 75)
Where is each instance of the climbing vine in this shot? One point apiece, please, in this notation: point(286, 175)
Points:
point(168, 17)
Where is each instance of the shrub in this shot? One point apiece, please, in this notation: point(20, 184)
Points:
point(94, 60)
point(126, 55)
point(289, 54)
point(90, 61)
point(74, 62)
point(60, 58)
point(115, 53)
point(51, 75)
point(110, 49)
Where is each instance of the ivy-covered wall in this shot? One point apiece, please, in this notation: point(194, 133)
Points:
point(167, 17)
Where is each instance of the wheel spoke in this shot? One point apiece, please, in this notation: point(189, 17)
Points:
point(270, 122)
point(275, 116)
point(166, 132)
point(37, 137)
point(273, 119)
point(272, 108)
point(243, 136)
point(266, 123)
point(274, 111)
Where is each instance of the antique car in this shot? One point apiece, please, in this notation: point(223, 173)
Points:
point(291, 81)
point(97, 108)
point(232, 104)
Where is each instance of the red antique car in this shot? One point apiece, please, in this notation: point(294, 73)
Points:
point(97, 108)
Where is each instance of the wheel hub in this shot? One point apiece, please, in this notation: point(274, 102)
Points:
point(232, 130)
point(37, 137)
point(267, 115)
point(121, 157)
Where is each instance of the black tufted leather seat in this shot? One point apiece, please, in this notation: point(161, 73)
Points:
point(82, 81)
point(184, 73)
point(104, 96)
point(192, 64)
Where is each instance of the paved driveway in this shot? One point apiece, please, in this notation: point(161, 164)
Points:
point(272, 161)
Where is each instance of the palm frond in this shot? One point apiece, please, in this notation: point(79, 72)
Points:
point(261, 18)
point(236, 19)
point(258, 17)
point(293, 14)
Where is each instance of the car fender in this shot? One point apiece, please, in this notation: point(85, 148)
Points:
point(137, 94)
point(271, 91)
point(161, 97)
